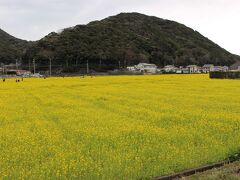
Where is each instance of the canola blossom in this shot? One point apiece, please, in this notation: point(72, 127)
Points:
point(116, 127)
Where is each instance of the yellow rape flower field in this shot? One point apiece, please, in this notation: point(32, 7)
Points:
point(116, 127)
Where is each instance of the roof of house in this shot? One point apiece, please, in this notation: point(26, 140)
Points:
point(146, 64)
point(169, 66)
point(208, 65)
point(220, 67)
point(192, 66)
point(22, 71)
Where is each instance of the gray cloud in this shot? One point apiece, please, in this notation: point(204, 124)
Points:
point(33, 19)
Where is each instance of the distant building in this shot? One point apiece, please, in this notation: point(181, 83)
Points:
point(193, 69)
point(11, 72)
point(180, 71)
point(146, 68)
point(131, 68)
point(10, 66)
point(190, 69)
point(185, 71)
point(225, 68)
point(170, 68)
point(217, 68)
point(208, 68)
point(221, 68)
point(23, 73)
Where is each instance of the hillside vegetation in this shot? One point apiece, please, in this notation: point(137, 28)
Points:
point(11, 48)
point(129, 38)
point(124, 39)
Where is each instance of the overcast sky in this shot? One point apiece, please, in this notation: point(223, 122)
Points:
point(219, 20)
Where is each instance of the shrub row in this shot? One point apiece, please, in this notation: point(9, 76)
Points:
point(225, 75)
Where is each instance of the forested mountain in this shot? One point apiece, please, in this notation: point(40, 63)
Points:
point(125, 39)
point(11, 48)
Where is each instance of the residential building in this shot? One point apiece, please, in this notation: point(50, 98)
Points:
point(208, 68)
point(221, 68)
point(185, 71)
point(170, 68)
point(193, 69)
point(146, 68)
point(180, 71)
point(23, 72)
point(131, 68)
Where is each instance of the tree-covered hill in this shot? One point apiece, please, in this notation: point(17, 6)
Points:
point(11, 48)
point(127, 39)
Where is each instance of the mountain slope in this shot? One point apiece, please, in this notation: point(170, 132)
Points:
point(130, 38)
point(11, 48)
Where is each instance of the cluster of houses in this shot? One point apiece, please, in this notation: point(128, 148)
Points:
point(190, 69)
point(12, 70)
point(146, 68)
point(23, 73)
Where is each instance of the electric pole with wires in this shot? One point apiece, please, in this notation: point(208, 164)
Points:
point(34, 66)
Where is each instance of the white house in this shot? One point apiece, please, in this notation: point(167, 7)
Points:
point(131, 68)
point(180, 71)
point(185, 70)
point(23, 73)
point(170, 68)
point(225, 68)
point(221, 68)
point(208, 68)
point(146, 68)
point(193, 69)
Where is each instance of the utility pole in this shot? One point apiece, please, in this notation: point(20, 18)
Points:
point(100, 63)
point(16, 64)
point(67, 63)
point(87, 67)
point(50, 66)
point(119, 64)
point(3, 69)
point(34, 66)
point(29, 65)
